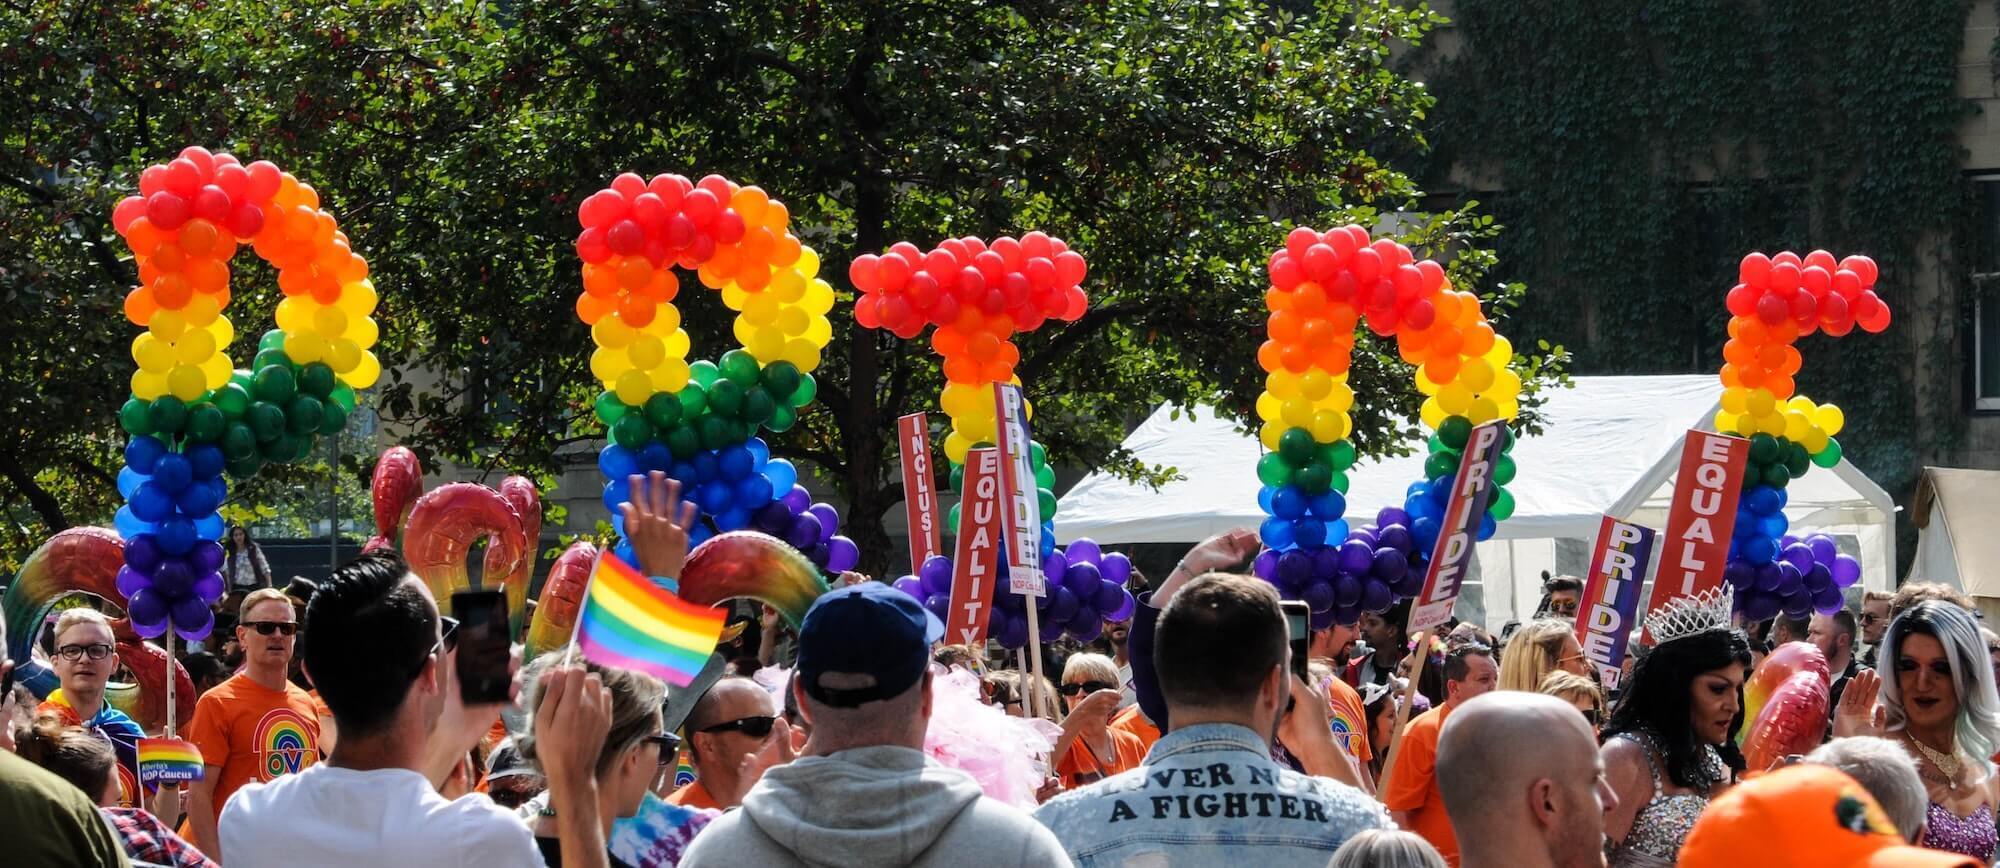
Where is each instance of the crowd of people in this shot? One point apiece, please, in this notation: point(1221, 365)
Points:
point(1187, 737)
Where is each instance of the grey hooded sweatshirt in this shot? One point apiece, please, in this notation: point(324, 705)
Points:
point(872, 806)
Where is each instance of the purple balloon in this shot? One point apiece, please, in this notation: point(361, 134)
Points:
point(1062, 604)
point(1087, 631)
point(1397, 537)
point(1051, 631)
point(207, 556)
point(842, 554)
point(1824, 549)
point(1367, 533)
point(773, 518)
point(1318, 596)
point(911, 585)
point(202, 624)
point(1759, 606)
point(1082, 580)
point(1392, 515)
point(142, 552)
point(148, 611)
point(130, 581)
point(1390, 565)
point(797, 500)
point(818, 554)
point(1326, 562)
point(1324, 620)
point(1769, 578)
point(1739, 574)
point(1055, 566)
point(939, 604)
point(1820, 579)
point(1266, 565)
point(1116, 567)
point(1084, 551)
point(1123, 611)
point(1356, 556)
point(804, 532)
point(190, 613)
point(209, 588)
point(829, 520)
point(1108, 595)
point(1798, 603)
point(1015, 633)
point(1846, 570)
point(1828, 600)
point(1410, 585)
point(1294, 569)
point(936, 571)
point(1375, 596)
point(173, 580)
point(1790, 580)
point(1346, 590)
point(1799, 556)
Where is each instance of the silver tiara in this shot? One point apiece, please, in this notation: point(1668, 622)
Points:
point(1695, 613)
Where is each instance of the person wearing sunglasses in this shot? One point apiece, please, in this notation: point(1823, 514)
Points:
point(635, 753)
point(85, 659)
point(734, 719)
point(1579, 691)
point(1089, 750)
point(256, 726)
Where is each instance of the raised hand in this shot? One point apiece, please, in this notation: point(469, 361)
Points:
point(657, 522)
point(1857, 713)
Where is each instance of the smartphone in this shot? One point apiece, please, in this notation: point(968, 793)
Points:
point(1298, 623)
point(483, 652)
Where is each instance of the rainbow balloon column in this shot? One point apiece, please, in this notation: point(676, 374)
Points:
point(978, 295)
point(1778, 300)
point(1322, 286)
point(190, 416)
point(699, 422)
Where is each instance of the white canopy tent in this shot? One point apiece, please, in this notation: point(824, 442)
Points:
point(1611, 446)
point(1954, 510)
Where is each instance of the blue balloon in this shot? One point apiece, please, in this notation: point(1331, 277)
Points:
point(760, 452)
point(782, 474)
point(617, 462)
point(716, 496)
point(1419, 488)
point(202, 497)
point(753, 491)
point(176, 536)
point(1487, 526)
point(129, 525)
point(1425, 530)
point(617, 491)
point(1048, 547)
point(129, 481)
point(624, 552)
point(1276, 533)
point(735, 462)
point(142, 452)
point(172, 473)
point(1762, 500)
point(1746, 526)
point(152, 503)
point(1290, 503)
point(1440, 491)
point(1759, 549)
point(1309, 532)
point(1328, 505)
point(1264, 499)
point(684, 471)
point(735, 518)
point(698, 534)
point(209, 527)
point(656, 456)
point(706, 466)
point(1773, 526)
point(1421, 506)
point(1337, 530)
point(205, 460)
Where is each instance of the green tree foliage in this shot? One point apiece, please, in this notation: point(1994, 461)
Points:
point(1172, 143)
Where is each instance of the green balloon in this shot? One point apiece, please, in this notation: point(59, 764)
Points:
point(344, 396)
point(739, 367)
point(266, 420)
point(1752, 475)
point(1338, 482)
point(1296, 446)
point(757, 406)
point(316, 379)
point(715, 432)
point(631, 431)
point(608, 407)
point(271, 340)
point(1797, 460)
point(725, 397)
point(951, 520)
point(1503, 470)
point(238, 442)
point(1777, 475)
point(694, 400)
point(1343, 455)
point(247, 466)
point(1829, 456)
point(1502, 505)
point(1271, 470)
point(683, 441)
point(331, 418)
point(704, 372)
point(1038, 455)
point(1314, 478)
point(1045, 477)
point(1047, 499)
point(781, 378)
point(302, 416)
point(277, 449)
point(168, 415)
point(1454, 431)
point(205, 423)
point(808, 389)
point(266, 359)
point(1763, 448)
point(244, 378)
point(957, 477)
point(136, 417)
point(1440, 464)
point(783, 417)
point(302, 447)
point(276, 384)
point(232, 399)
point(663, 410)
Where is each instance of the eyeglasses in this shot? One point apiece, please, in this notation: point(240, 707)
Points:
point(269, 627)
point(670, 745)
point(73, 653)
point(1870, 617)
point(754, 727)
point(1086, 687)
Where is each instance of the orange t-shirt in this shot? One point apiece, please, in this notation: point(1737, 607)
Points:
point(253, 733)
point(1079, 767)
point(1134, 721)
point(1349, 719)
point(693, 795)
point(1413, 787)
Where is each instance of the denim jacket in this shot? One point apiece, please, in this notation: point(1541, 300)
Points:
point(1210, 794)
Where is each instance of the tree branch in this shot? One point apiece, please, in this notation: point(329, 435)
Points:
point(41, 499)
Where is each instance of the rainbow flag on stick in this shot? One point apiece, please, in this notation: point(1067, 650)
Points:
point(166, 760)
point(630, 623)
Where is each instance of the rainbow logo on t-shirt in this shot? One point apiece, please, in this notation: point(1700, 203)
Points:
point(168, 759)
point(285, 743)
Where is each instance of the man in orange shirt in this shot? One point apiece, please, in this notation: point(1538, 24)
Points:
point(733, 720)
point(257, 725)
point(1411, 790)
point(1345, 712)
point(1134, 721)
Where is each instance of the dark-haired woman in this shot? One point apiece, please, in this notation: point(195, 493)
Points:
point(1667, 748)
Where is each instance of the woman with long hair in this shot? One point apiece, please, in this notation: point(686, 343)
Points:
point(243, 561)
point(1537, 649)
point(1667, 748)
point(1941, 705)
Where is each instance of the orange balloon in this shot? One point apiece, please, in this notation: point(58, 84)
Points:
point(1780, 385)
point(1442, 369)
point(636, 310)
point(1736, 351)
point(787, 251)
point(207, 275)
point(1477, 339)
point(168, 257)
point(172, 291)
point(600, 279)
point(1771, 355)
point(1468, 309)
point(1730, 379)
point(591, 308)
point(1446, 341)
point(664, 286)
point(1343, 318)
point(758, 245)
point(142, 237)
point(996, 371)
point(1790, 365)
point(983, 347)
point(1446, 305)
point(1296, 357)
point(140, 307)
point(1270, 356)
point(1333, 358)
point(961, 369)
point(777, 216)
point(221, 297)
point(1274, 299)
point(753, 275)
point(197, 237)
point(325, 291)
point(1309, 299)
point(1317, 332)
point(634, 273)
point(948, 341)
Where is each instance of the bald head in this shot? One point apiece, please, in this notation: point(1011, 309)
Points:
point(1548, 800)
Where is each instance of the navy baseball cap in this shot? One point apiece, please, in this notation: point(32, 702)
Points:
point(867, 629)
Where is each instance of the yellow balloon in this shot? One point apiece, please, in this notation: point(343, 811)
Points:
point(808, 262)
point(330, 321)
point(1432, 414)
point(1772, 423)
point(1800, 404)
point(1296, 413)
point(802, 354)
point(1282, 383)
point(818, 298)
point(1759, 403)
point(201, 310)
point(677, 344)
point(666, 321)
point(1269, 408)
point(1502, 353)
point(733, 296)
point(342, 355)
point(1314, 384)
point(672, 375)
point(216, 371)
point(634, 387)
point(1746, 425)
point(1815, 441)
point(186, 382)
point(793, 321)
point(1725, 421)
point(1269, 434)
point(1734, 402)
point(1328, 426)
point(194, 347)
point(955, 448)
point(363, 332)
point(357, 299)
point(167, 324)
point(1424, 384)
point(223, 331)
point(1506, 387)
point(1476, 375)
point(152, 354)
point(647, 352)
point(762, 308)
point(1483, 410)
point(1796, 425)
point(148, 385)
point(1510, 409)
point(365, 373)
point(305, 347)
point(1455, 398)
point(743, 330)
point(607, 364)
point(976, 430)
point(767, 344)
point(819, 331)
point(788, 285)
point(1830, 419)
point(293, 316)
point(612, 333)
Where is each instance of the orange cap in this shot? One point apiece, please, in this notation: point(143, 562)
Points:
point(1804, 815)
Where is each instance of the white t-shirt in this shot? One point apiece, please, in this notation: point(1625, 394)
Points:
point(367, 819)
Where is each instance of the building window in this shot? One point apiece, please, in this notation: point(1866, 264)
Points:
point(1985, 339)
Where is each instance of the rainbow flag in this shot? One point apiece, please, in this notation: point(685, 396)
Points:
point(630, 623)
point(168, 760)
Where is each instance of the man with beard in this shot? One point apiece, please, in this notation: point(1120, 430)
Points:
point(1117, 633)
point(1524, 808)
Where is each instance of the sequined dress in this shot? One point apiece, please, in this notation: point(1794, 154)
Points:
point(1973, 836)
point(1664, 822)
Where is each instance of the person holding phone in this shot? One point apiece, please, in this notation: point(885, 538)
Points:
point(1089, 750)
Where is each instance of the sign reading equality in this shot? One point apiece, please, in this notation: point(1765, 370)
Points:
point(1701, 516)
point(979, 549)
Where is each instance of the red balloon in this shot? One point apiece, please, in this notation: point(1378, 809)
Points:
point(233, 179)
point(990, 266)
point(1010, 252)
point(1784, 277)
point(1788, 258)
point(1817, 280)
point(625, 237)
point(1772, 309)
point(895, 311)
point(1433, 276)
point(1078, 302)
point(1742, 300)
point(680, 232)
point(129, 209)
point(702, 207)
point(1285, 271)
point(1833, 308)
point(651, 213)
point(1321, 263)
point(264, 181)
point(152, 180)
point(864, 272)
point(1754, 270)
point(628, 185)
point(897, 270)
point(865, 311)
point(1822, 259)
point(1846, 283)
point(246, 221)
point(1793, 721)
point(1070, 268)
point(1862, 266)
point(1037, 244)
point(1420, 314)
point(1298, 240)
point(1803, 305)
point(1366, 265)
point(590, 246)
point(184, 177)
point(670, 189)
point(946, 309)
point(924, 294)
point(212, 204)
point(166, 210)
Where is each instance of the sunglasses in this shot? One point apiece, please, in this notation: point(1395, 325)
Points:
point(1870, 618)
point(754, 727)
point(73, 653)
point(1591, 715)
point(670, 746)
point(269, 627)
point(1086, 687)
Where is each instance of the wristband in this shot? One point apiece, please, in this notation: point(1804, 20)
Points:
point(669, 583)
